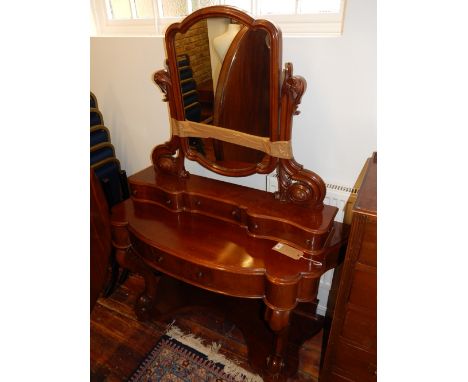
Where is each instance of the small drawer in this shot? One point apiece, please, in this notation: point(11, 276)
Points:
point(231, 283)
point(154, 195)
point(174, 266)
point(285, 231)
point(211, 207)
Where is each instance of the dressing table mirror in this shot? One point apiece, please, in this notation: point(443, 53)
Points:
point(231, 108)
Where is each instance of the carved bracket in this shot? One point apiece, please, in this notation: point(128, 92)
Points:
point(168, 157)
point(163, 80)
point(295, 183)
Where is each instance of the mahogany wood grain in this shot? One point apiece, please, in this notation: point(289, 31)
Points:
point(270, 59)
point(219, 236)
point(242, 98)
point(100, 238)
point(351, 353)
point(187, 229)
point(258, 211)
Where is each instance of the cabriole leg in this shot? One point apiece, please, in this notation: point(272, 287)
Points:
point(278, 320)
point(127, 258)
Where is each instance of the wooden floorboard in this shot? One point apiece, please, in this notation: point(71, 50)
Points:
point(119, 342)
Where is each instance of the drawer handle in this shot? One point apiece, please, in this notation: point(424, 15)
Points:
point(135, 192)
point(160, 259)
point(198, 203)
point(199, 275)
point(168, 202)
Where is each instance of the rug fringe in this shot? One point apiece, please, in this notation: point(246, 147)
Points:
point(212, 352)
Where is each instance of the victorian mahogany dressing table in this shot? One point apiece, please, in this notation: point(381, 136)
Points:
point(220, 236)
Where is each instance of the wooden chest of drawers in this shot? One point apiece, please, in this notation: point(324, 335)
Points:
point(351, 353)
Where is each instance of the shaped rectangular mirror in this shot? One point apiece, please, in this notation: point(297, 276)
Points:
point(243, 120)
point(224, 70)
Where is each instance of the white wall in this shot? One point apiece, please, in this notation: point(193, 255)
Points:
point(336, 130)
point(122, 69)
point(333, 135)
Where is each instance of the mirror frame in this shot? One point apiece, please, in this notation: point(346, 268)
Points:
point(268, 163)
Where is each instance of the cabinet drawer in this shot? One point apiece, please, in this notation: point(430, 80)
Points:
point(360, 328)
point(154, 195)
point(354, 363)
point(368, 251)
point(219, 280)
point(212, 207)
point(364, 288)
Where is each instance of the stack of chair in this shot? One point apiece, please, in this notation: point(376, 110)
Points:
point(193, 108)
point(188, 87)
point(112, 178)
point(103, 161)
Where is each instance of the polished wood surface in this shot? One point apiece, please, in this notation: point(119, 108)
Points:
point(258, 211)
point(269, 58)
point(100, 238)
point(187, 229)
point(351, 353)
point(219, 237)
point(242, 100)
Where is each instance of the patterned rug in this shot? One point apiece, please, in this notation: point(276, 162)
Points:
point(180, 357)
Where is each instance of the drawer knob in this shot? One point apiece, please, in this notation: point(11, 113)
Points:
point(255, 226)
point(168, 202)
point(198, 203)
point(135, 192)
point(199, 275)
point(160, 259)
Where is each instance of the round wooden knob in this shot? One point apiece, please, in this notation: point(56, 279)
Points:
point(199, 274)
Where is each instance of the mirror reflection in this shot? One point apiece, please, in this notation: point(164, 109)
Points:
point(224, 80)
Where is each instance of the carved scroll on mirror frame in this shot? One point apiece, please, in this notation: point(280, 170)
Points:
point(245, 91)
point(233, 122)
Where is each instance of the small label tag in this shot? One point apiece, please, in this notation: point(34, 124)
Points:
point(289, 251)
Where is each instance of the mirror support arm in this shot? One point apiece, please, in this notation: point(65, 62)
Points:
point(295, 183)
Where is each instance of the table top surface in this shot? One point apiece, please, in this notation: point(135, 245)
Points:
point(215, 244)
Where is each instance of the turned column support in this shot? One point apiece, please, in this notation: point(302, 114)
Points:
point(280, 299)
point(278, 320)
point(128, 258)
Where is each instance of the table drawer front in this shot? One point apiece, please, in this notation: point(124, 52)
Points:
point(233, 284)
point(354, 363)
point(154, 195)
point(212, 207)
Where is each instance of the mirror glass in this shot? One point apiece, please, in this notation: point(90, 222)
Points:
point(224, 77)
